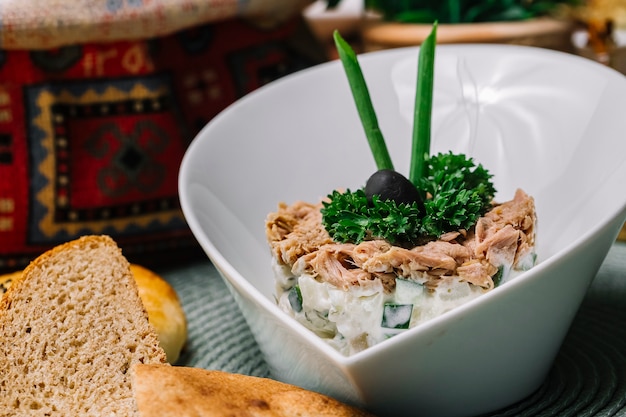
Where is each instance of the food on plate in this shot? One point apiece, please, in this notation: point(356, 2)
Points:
point(361, 266)
point(71, 327)
point(165, 311)
point(356, 295)
point(183, 391)
point(161, 302)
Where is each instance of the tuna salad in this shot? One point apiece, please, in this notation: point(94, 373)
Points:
point(361, 266)
point(356, 295)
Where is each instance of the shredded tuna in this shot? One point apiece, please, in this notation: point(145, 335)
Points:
point(503, 236)
point(477, 272)
point(295, 230)
point(332, 263)
point(507, 231)
point(450, 236)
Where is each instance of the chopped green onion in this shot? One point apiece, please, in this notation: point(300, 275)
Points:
point(423, 107)
point(363, 103)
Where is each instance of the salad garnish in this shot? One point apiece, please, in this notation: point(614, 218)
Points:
point(444, 192)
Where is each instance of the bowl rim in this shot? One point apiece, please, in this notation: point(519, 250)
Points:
point(234, 278)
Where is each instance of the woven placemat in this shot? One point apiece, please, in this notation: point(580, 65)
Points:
point(588, 377)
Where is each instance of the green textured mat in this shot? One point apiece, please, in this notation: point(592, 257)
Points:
point(588, 377)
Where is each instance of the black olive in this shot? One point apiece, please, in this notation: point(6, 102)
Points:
point(391, 185)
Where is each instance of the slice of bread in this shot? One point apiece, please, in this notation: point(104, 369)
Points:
point(176, 391)
point(161, 301)
point(70, 329)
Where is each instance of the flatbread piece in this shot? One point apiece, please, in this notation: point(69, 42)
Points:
point(185, 391)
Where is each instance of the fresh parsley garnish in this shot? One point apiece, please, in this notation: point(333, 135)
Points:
point(460, 192)
point(453, 192)
point(351, 217)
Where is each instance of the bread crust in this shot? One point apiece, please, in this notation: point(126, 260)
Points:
point(70, 329)
point(7, 279)
point(160, 300)
point(185, 392)
point(45, 257)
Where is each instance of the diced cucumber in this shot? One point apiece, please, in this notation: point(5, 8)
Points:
point(295, 298)
point(527, 262)
point(408, 291)
point(397, 316)
point(497, 277)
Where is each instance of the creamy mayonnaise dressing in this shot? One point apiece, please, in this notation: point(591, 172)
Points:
point(363, 315)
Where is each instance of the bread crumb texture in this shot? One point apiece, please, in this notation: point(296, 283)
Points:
point(70, 329)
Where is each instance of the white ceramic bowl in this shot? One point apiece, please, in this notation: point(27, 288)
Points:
point(550, 123)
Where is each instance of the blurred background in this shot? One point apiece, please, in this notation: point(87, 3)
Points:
point(592, 28)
